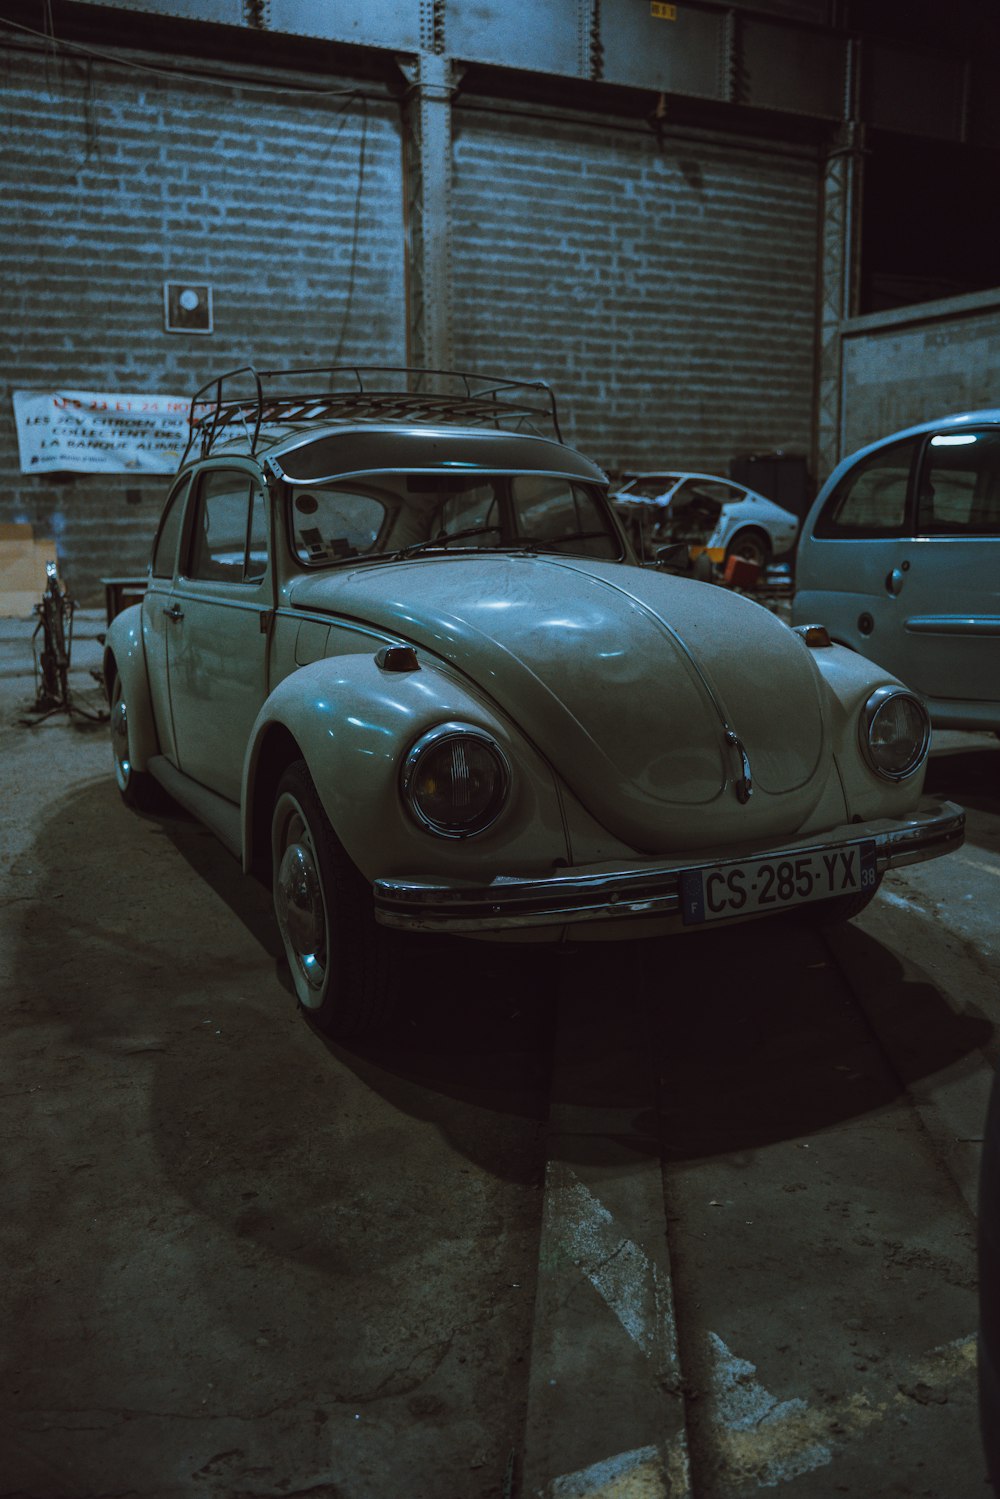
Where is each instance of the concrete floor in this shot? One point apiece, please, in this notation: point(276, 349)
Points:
point(677, 1218)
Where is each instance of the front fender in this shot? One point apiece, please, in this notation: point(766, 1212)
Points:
point(124, 652)
point(850, 680)
point(353, 723)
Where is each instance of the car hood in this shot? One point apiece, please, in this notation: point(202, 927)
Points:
point(626, 679)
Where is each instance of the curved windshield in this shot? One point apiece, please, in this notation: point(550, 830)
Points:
point(399, 515)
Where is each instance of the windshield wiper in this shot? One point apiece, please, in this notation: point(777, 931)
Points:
point(442, 539)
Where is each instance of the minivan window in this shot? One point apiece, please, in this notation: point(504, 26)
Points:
point(870, 499)
point(959, 489)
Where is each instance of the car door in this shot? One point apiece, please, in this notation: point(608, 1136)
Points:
point(856, 546)
point(947, 580)
point(157, 604)
point(217, 634)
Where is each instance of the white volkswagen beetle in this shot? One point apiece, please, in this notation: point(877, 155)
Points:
point(396, 652)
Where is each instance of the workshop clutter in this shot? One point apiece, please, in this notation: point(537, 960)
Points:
point(23, 557)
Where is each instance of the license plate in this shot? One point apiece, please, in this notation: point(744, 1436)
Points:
point(771, 884)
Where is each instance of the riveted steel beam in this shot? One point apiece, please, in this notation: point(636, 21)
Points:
point(839, 274)
point(427, 190)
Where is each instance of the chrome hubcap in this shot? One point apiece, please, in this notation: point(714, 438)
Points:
point(299, 900)
point(119, 741)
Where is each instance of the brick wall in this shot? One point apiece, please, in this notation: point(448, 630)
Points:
point(668, 289)
point(113, 181)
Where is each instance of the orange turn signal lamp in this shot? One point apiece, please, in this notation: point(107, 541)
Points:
point(397, 658)
point(814, 635)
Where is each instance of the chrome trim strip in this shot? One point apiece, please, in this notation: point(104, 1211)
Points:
point(653, 890)
point(953, 624)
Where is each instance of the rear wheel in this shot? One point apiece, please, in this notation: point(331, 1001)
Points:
point(750, 546)
point(341, 962)
point(138, 789)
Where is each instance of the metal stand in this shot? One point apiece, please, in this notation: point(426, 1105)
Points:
point(55, 625)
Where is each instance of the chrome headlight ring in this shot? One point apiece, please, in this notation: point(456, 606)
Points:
point(455, 780)
point(895, 732)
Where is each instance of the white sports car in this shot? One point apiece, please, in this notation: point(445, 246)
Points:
point(711, 514)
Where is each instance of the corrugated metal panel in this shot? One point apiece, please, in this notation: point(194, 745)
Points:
point(373, 23)
point(679, 51)
point(513, 34)
point(669, 291)
point(793, 69)
point(917, 92)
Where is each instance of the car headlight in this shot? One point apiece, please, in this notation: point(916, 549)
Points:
point(455, 780)
point(895, 732)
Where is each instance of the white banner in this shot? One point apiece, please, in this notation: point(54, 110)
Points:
point(84, 432)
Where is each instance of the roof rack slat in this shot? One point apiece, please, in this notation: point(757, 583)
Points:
point(500, 401)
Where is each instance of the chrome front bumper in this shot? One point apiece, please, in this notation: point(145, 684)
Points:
point(611, 892)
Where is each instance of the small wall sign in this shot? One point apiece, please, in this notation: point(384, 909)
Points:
point(187, 307)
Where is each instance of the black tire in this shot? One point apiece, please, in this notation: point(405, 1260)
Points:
point(841, 908)
point(342, 962)
point(138, 790)
point(751, 546)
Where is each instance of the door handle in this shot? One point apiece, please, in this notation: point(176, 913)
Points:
point(174, 612)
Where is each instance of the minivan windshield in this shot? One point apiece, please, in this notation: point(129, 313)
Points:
point(392, 515)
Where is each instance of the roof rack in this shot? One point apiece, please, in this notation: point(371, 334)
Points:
point(349, 394)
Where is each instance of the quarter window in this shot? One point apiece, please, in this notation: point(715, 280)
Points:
point(959, 489)
point(870, 500)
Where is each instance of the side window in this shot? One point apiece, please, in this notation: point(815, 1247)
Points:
point(870, 500)
point(959, 489)
point(221, 523)
point(169, 534)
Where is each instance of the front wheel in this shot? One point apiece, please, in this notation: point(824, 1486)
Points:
point(340, 960)
point(138, 790)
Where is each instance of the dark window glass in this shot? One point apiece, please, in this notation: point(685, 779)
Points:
point(219, 543)
point(870, 500)
point(550, 509)
point(959, 489)
point(377, 513)
point(336, 521)
point(169, 534)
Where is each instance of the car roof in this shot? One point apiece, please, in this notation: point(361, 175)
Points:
point(989, 415)
point(310, 452)
point(958, 419)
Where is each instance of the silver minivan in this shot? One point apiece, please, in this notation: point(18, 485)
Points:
point(900, 558)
